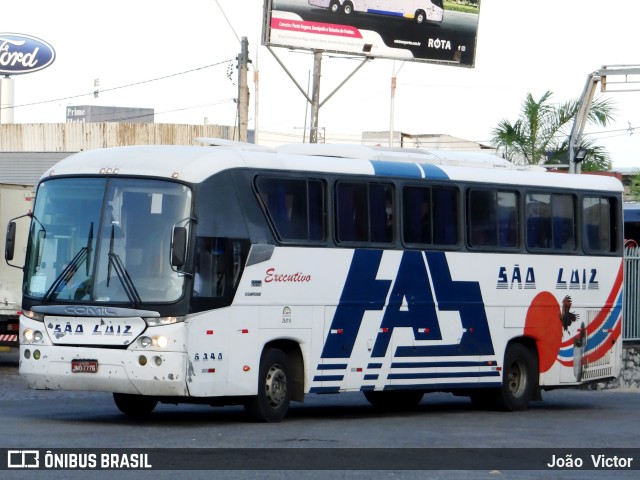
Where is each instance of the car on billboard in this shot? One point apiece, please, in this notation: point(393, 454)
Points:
point(418, 10)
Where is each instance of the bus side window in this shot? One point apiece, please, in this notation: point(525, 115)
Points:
point(444, 221)
point(538, 220)
point(562, 207)
point(430, 215)
point(316, 207)
point(507, 219)
point(210, 269)
point(482, 218)
point(381, 213)
point(596, 214)
point(218, 266)
point(416, 208)
point(296, 207)
point(346, 213)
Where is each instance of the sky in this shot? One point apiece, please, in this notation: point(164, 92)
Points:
point(179, 58)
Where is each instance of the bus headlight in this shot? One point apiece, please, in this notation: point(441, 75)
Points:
point(33, 315)
point(156, 321)
point(31, 336)
point(160, 341)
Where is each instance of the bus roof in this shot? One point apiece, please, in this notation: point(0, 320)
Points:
point(194, 164)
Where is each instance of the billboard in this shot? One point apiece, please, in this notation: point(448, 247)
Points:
point(432, 31)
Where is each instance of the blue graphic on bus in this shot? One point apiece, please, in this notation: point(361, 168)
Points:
point(411, 304)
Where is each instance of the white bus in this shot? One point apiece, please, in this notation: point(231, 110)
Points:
point(418, 10)
point(253, 276)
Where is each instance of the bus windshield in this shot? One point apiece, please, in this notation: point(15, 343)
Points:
point(105, 240)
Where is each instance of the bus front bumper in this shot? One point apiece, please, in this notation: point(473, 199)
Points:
point(104, 370)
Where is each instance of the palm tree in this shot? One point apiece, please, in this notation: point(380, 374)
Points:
point(540, 135)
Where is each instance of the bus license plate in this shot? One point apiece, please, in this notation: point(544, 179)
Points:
point(84, 366)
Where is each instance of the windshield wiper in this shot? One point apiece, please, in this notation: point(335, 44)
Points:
point(89, 248)
point(70, 270)
point(67, 273)
point(123, 275)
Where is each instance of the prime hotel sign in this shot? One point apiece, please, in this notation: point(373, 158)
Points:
point(24, 54)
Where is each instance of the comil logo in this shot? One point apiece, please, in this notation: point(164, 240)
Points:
point(23, 459)
point(24, 54)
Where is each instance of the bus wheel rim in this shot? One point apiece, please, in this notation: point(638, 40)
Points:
point(517, 379)
point(276, 386)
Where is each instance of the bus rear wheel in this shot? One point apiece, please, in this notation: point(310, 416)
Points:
point(394, 399)
point(347, 8)
point(134, 405)
point(420, 16)
point(520, 379)
point(519, 382)
point(274, 395)
point(334, 6)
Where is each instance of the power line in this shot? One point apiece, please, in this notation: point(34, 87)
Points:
point(131, 117)
point(121, 86)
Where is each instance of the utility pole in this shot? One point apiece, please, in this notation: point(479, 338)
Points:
point(243, 90)
point(315, 96)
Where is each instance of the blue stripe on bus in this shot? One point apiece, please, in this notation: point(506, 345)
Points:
point(371, 377)
point(396, 169)
point(385, 12)
point(409, 170)
point(599, 336)
point(334, 366)
point(407, 376)
point(324, 390)
point(433, 172)
point(442, 386)
point(374, 365)
point(328, 378)
point(437, 364)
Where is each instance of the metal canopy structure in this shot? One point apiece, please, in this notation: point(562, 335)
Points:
point(630, 77)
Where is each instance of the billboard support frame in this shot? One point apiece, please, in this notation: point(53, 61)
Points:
point(314, 100)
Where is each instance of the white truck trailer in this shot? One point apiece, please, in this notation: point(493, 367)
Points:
point(15, 200)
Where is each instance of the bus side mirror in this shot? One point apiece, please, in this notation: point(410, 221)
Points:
point(179, 247)
point(10, 242)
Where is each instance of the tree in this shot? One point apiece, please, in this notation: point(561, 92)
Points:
point(634, 188)
point(541, 134)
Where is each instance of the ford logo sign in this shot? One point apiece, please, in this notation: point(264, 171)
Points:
point(24, 54)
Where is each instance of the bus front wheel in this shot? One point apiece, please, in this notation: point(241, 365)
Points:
point(420, 16)
point(334, 6)
point(274, 395)
point(134, 405)
point(347, 8)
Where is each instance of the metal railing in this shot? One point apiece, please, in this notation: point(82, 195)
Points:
point(631, 307)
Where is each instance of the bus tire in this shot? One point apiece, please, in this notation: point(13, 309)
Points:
point(347, 8)
point(420, 16)
point(134, 405)
point(519, 380)
point(274, 392)
point(390, 400)
point(334, 6)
